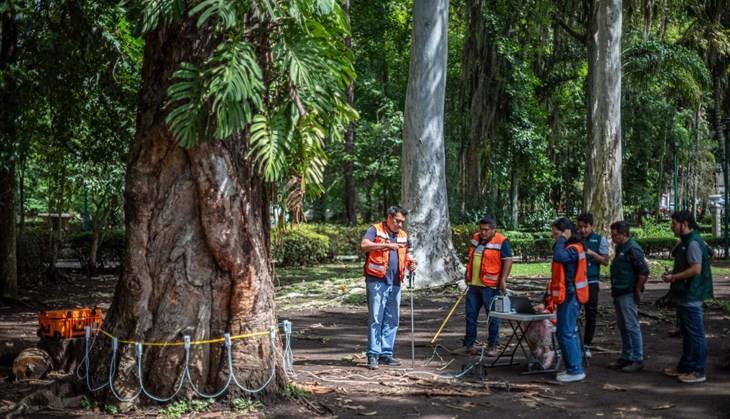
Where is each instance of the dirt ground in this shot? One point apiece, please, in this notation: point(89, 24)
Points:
point(329, 345)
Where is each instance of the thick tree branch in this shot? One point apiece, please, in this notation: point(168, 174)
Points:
point(579, 36)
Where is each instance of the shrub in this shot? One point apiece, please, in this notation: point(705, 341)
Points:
point(300, 246)
point(344, 240)
point(655, 246)
point(33, 250)
point(525, 244)
point(111, 248)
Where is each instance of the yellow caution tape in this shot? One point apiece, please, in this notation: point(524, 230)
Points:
point(194, 342)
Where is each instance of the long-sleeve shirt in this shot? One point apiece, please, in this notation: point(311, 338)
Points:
point(568, 257)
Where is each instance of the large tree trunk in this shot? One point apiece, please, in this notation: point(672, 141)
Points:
point(197, 256)
point(423, 166)
point(482, 89)
point(348, 168)
point(604, 191)
point(8, 139)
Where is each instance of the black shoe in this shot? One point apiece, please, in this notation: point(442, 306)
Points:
point(619, 363)
point(373, 362)
point(389, 361)
point(634, 366)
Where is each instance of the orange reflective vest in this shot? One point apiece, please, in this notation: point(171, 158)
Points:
point(491, 266)
point(557, 288)
point(376, 262)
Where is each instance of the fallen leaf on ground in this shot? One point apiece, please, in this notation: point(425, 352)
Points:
point(662, 407)
point(611, 387)
point(368, 413)
point(355, 407)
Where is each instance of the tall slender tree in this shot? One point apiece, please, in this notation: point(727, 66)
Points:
point(603, 188)
point(8, 152)
point(423, 165)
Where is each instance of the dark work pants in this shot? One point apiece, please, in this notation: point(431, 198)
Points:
point(591, 313)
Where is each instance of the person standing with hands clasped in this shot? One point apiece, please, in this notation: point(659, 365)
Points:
point(597, 255)
point(567, 290)
point(691, 284)
point(489, 265)
point(386, 247)
point(629, 273)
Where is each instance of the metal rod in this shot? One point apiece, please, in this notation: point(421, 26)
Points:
point(411, 277)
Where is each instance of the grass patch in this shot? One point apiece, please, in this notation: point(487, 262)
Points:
point(531, 269)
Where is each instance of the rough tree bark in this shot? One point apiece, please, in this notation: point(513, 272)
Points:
point(197, 261)
point(8, 134)
point(483, 89)
point(603, 194)
point(423, 165)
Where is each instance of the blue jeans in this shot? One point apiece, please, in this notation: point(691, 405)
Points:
point(627, 321)
point(383, 316)
point(694, 344)
point(570, 345)
point(476, 297)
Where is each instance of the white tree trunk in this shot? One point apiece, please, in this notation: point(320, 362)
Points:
point(423, 165)
point(604, 191)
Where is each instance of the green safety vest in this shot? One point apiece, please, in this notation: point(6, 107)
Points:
point(623, 277)
point(593, 242)
point(698, 288)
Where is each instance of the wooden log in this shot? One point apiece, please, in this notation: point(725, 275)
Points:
point(32, 363)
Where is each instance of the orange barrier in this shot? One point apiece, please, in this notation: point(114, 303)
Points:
point(69, 323)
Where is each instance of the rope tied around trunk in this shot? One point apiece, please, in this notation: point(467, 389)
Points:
point(187, 343)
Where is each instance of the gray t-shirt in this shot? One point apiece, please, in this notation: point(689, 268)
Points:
point(694, 255)
point(603, 247)
point(694, 252)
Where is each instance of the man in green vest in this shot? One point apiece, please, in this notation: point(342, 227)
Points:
point(597, 255)
point(629, 273)
point(691, 284)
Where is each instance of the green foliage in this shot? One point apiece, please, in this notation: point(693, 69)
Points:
point(299, 245)
point(111, 247)
point(292, 391)
point(111, 409)
point(182, 407)
point(86, 403)
point(306, 67)
point(344, 241)
point(246, 406)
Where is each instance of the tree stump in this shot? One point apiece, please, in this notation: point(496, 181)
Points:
point(32, 363)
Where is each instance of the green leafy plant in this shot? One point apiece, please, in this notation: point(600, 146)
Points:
point(86, 403)
point(246, 405)
point(182, 407)
point(111, 409)
point(300, 246)
point(291, 98)
point(293, 391)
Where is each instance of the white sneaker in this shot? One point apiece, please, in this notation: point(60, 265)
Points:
point(564, 377)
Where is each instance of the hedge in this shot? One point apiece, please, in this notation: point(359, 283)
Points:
point(311, 244)
point(300, 246)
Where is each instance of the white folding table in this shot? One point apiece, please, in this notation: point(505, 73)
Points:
point(515, 321)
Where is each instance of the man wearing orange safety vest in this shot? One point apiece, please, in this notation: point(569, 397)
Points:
point(489, 265)
point(386, 258)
